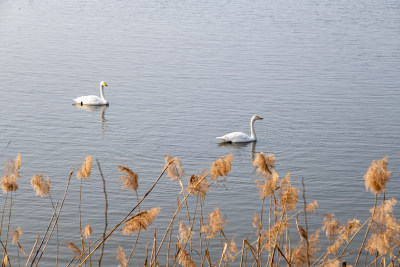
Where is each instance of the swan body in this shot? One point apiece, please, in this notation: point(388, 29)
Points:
point(93, 99)
point(239, 137)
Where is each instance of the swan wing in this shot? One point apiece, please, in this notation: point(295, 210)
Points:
point(90, 100)
point(236, 137)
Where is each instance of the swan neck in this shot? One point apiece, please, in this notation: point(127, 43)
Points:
point(253, 133)
point(102, 91)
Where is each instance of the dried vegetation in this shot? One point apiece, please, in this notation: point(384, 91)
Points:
point(281, 235)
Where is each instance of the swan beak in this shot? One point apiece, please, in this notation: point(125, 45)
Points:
point(259, 118)
point(105, 84)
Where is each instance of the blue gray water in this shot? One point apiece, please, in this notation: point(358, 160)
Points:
point(324, 75)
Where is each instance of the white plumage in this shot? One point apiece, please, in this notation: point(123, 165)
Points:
point(239, 137)
point(93, 99)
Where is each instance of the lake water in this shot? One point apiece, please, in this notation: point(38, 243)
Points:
point(324, 75)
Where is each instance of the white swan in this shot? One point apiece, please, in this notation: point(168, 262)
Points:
point(93, 99)
point(239, 137)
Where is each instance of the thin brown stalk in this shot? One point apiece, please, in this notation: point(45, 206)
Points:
point(169, 245)
point(33, 249)
point(80, 219)
point(58, 214)
point(154, 248)
point(105, 212)
point(108, 234)
point(173, 217)
point(44, 237)
point(305, 221)
point(367, 231)
point(2, 214)
point(351, 239)
point(9, 218)
point(134, 246)
point(242, 253)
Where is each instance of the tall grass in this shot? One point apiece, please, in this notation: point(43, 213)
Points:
point(192, 237)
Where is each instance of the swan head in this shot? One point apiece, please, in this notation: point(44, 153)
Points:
point(103, 83)
point(256, 118)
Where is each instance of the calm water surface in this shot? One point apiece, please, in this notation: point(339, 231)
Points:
point(324, 75)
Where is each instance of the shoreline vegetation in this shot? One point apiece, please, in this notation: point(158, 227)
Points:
point(280, 233)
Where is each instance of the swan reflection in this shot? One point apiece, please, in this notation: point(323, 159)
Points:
point(91, 108)
point(241, 146)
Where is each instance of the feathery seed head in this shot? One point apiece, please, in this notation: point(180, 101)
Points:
point(331, 225)
point(140, 221)
point(130, 179)
point(265, 164)
point(185, 233)
point(267, 186)
point(86, 168)
point(121, 257)
point(87, 232)
point(16, 234)
point(174, 169)
point(231, 251)
point(42, 186)
point(11, 173)
point(200, 189)
point(377, 176)
point(74, 248)
point(221, 167)
point(311, 207)
point(288, 195)
point(214, 224)
point(184, 258)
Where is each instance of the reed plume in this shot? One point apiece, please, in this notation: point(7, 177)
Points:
point(202, 188)
point(311, 207)
point(174, 170)
point(299, 257)
point(121, 257)
point(85, 169)
point(74, 248)
point(221, 167)
point(130, 179)
point(185, 233)
point(264, 164)
point(16, 234)
point(385, 228)
point(231, 251)
point(377, 176)
point(331, 226)
point(288, 195)
point(140, 221)
point(11, 173)
point(184, 258)
point(214, 224)
point(87, 231)
point(267, 187)
point(41, 185)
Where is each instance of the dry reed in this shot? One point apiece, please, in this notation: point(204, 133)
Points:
point(121, 257)
point(140, 221)
point(377, 176)
point(174, 168)
point(221, 167)
point(41, 185)
point(10, 174)
point(214, 224)
point(87, 231)
point(197, 188)
point(264, 164)
point(86, 168)
point(130, 179)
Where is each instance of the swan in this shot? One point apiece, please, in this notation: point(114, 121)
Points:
point(93, 99)
point(239, 137)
